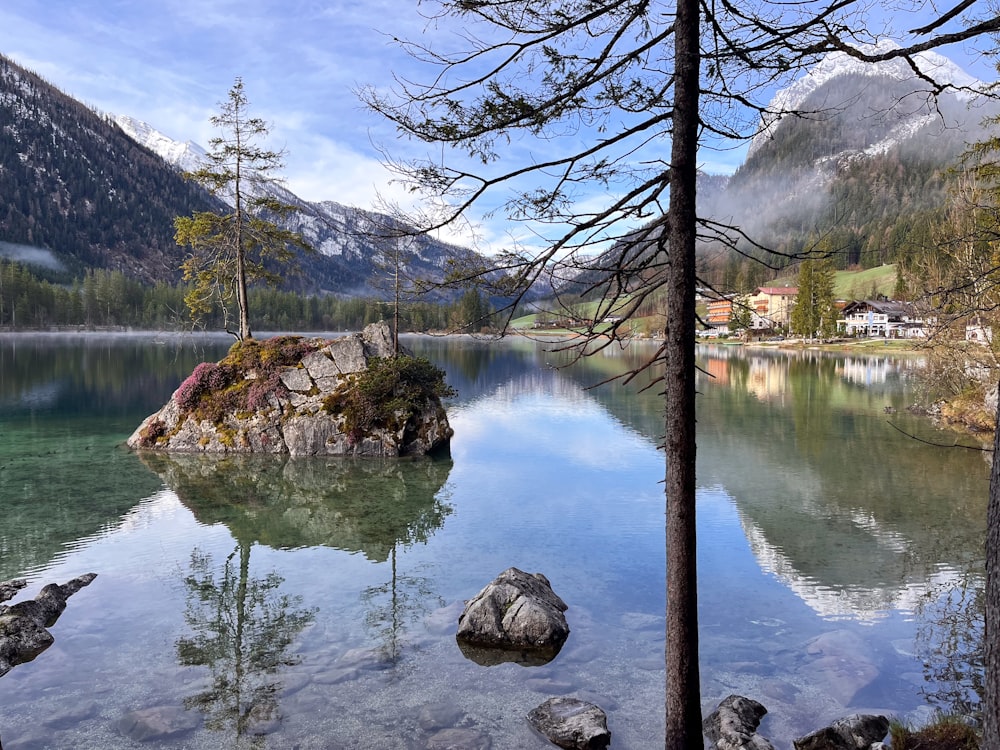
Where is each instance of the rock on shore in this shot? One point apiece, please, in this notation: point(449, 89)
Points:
point(23, 633)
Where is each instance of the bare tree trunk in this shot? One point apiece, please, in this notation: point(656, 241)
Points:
point(395, 306)
point(991, 638)
point(242, 299)
point(683, 691)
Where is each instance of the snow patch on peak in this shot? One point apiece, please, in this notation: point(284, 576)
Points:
point(187, 156)
point(835, 64)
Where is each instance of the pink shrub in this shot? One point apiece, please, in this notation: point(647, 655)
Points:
point(208, 377)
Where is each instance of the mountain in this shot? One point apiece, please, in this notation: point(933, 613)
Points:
point(187, 156)
point(79, 193)
point(345, 238)
point(839, 64)
point(860, 171)
point(83, 190)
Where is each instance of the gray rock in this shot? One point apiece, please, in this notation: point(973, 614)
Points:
point(23, 634)
point(348, 355)
point(517, 613)
point(733, 725)
point(297, 379)
point(157, 723)
point(9, 588)
point(856, 732)
point(294, 418)
point(320, 365)
point(571, 723)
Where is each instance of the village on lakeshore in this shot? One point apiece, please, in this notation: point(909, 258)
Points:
point(767, 315)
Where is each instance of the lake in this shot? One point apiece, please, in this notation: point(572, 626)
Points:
point(313, 603)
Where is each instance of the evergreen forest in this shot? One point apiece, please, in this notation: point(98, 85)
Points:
point(104, 299)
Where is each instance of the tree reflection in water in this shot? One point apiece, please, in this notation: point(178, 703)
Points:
point(242, 630)
point(392, 605)
point(949, 642)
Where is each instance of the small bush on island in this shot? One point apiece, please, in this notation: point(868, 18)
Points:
point(387, 394)
point(244, 378)
point(947, 733)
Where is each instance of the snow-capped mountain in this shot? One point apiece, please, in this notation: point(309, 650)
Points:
point(839, 64)
point(186, 156)
point(861, 169)
point(344, 234)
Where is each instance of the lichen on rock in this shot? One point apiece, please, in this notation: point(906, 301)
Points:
point(292, 395)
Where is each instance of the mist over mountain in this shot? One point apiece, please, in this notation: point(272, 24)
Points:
point(860, 171)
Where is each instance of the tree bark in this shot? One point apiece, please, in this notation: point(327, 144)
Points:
point(683, 688)
point(991, 637)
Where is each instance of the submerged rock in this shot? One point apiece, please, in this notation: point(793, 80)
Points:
point(257, 406)
point(841, 662)
point(23, 634)
point(157, 723)
point(517, 617)
point(571, 723)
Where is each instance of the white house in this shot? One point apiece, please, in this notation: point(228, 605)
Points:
point(883, 318)
point(979, 331)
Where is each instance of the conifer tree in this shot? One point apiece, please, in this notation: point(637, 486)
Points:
point(229, 250)
point(815, 311)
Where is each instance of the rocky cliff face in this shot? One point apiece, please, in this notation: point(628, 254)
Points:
point(287, 396)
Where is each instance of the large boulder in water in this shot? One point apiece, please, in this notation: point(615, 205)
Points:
point(294, 395)
point(571, 723)
point(517, 617)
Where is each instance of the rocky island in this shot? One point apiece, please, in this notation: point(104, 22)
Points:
point(350, 396)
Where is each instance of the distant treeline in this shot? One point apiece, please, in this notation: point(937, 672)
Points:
point(104, 299)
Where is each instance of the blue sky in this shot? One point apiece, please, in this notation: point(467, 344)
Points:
point(170, 62)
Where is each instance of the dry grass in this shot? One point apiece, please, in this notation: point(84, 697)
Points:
point(947, 733)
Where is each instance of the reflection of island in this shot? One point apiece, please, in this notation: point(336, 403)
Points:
point(366, 506)
point(242, 631)
point(242, 627)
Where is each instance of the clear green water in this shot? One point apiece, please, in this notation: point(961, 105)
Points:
point(316, 601)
